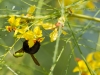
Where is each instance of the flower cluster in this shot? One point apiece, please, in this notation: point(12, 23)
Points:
point(22, 29)
point(93, 60)
point(31, 29)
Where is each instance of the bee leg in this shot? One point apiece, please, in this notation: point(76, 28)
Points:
point(19, 51)
point(35, 60)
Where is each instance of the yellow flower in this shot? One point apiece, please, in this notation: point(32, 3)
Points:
point(28, 35)
point(13, 21)
point(82, 68)
point(23, 29)
point(37, 32)
point(93, 62)
point(89, 57)
point(36, 35)
point(48, 26)
point(54, 35)
point(96, 59)
point(20, 32)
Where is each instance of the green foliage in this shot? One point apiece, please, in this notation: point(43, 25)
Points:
point(56, 57)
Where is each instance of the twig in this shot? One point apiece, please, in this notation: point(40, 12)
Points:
point(85, 17)
point(11, 69)
point(49, 16)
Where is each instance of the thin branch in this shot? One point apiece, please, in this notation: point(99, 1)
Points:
point(85, 17)
point(24, 17)
point(49, 16)
point(11, 69)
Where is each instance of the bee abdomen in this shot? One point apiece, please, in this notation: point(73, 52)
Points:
point(31, 50)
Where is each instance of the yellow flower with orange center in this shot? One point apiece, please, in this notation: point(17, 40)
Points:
point(82, 68)
point(93, 62)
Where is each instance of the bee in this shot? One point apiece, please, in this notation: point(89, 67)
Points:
point(25, 48)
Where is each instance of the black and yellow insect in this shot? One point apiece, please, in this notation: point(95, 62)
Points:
point(28, 50)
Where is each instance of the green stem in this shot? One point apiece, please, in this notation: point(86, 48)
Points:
point(85, 17)
point(11, 69)
point(55, 59)
point(10, 49)
point(76, 43)
point(69, 59)
point(54, 64)
point(98, 43)
point(49, 16)
point(38, 11)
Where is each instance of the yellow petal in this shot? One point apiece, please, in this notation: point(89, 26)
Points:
point(37, 32)
point(81, 67)
point(30, 43)
point(11, 20)
point(96, 55)
point(17, 22)
point(90, 5)
point(31, 9)
point(28, 35)
point(23, 29)
point(15, 33)
point(20, 33)
point(90, 57)
point(53, 35)
point(48, 26)
point(76, 69)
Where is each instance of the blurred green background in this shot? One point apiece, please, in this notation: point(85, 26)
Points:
point(25, 65)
